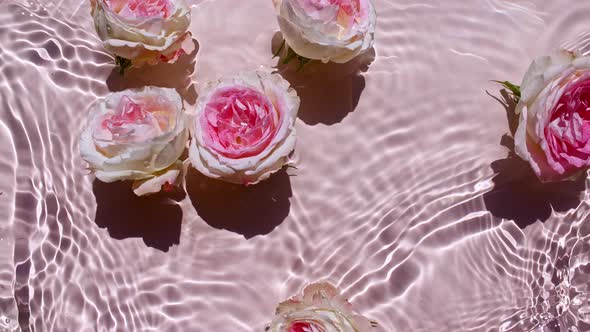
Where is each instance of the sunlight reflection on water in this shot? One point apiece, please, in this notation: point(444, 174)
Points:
point(403, 195)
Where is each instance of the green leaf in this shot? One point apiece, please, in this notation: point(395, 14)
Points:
point(123, 64)
point(515, 89)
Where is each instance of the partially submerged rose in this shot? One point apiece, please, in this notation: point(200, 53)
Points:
point(244, 127)
point(553, 133)
point(327, 30)
point(136, 135)
point(320, 308)
point(143, 31)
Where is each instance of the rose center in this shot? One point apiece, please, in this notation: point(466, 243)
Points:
point(305, 327)
point(239, 122)
point(349, 6)
point(142, 8)
point(138, 121)
point(346, 13)
point(568, 132)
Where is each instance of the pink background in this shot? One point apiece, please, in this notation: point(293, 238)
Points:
point(393, 197)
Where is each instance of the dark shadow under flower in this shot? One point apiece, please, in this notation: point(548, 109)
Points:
point(170, 75)
point(328, 91)
point(518, 194)
point(156, 218)
point(247, 210)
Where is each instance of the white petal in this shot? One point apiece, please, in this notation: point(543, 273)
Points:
point(154, 184)
point(540, 73)
point(108, 177)
point(520, 137)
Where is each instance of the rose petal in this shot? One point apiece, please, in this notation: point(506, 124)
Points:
point(154, 184)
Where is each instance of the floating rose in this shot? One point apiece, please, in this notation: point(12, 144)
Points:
point(244, 127)
point(553, 132)
point(136, 135)
point(143, 31)
point(327, 30)
point(320, 309)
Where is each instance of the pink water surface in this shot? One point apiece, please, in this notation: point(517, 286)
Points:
point(402, 195)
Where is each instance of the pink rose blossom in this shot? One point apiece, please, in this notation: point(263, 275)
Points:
point(554, 128)
point(321, 308)
point(568, 132)
point(244, 127)
point(136, 135)
point(239, 122)
point(144, 31)
point(327, 30)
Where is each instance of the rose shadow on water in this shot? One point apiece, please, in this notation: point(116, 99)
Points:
point(169, 75)
point(518, 194)
point(154, 218)
point(247, 210)
point(328, 91)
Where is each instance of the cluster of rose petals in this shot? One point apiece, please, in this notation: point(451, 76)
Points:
point(320, 308)
point(144, 31)
point(243, 130)
point(553, 134)
point(136, 135)
point(327, 30)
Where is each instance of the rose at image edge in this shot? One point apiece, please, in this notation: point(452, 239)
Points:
point(152, 161)
point(252, 168)
point(552, 136)
point(316, 37)
point(141, 39)
point(320, 306)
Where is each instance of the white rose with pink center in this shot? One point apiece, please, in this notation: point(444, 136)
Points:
point(321, 308)
point(244, 127)
point(144, 31)
point(553, 132)
point(327, 30)
point(136, 135)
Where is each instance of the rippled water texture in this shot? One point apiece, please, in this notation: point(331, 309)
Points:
point(405, 194)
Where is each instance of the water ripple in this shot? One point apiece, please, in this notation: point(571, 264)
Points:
point(390, 198)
